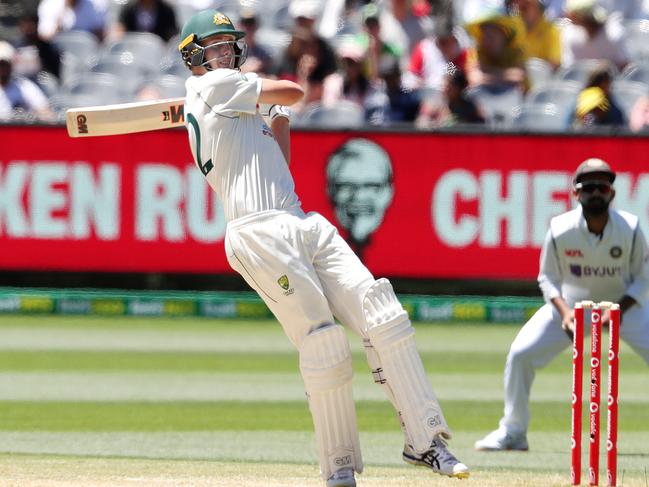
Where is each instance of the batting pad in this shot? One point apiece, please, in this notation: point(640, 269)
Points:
point(379, 377)
point(392, 336)
point(326, 366)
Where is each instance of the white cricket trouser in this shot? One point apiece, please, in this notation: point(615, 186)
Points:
point(542, 339)
point(322, 273)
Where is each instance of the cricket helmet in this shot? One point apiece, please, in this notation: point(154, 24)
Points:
point(593, 166)
point(204, 24)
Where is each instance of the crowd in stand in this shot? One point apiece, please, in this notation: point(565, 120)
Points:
point(528, 64)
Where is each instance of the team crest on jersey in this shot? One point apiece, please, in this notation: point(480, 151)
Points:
point(220, 18)
point(616, 252)
point(285, 285)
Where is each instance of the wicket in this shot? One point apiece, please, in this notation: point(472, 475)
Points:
point(595, 369)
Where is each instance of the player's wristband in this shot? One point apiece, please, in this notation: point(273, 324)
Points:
point(279, 111)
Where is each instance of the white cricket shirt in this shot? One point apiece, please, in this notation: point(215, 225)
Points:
point(577, 264)
point(233, 146)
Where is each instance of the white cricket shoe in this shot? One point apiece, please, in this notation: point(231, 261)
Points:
point(438, 459)
point(342, 478)
point(500, 440)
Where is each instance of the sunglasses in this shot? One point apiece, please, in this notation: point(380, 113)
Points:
point(603, 188)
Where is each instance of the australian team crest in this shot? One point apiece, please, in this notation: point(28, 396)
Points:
point(283, 281)
point(285, 285)
point(220, 18)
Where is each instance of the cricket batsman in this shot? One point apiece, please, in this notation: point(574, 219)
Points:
point(297, 262)
point(590, 253)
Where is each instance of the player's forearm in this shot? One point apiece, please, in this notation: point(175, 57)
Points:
point(280, 92)
point(560, 304)
point(282, 131)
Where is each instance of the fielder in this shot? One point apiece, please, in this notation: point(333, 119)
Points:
point(590, 253)
point(297, 262)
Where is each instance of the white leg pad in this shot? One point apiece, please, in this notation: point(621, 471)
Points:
point(379, 377)
point(392, 335)
point(326, 366)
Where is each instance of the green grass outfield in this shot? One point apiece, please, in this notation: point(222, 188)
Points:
point(134, 401)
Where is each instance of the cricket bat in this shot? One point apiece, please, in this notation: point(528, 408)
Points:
point(125, 118)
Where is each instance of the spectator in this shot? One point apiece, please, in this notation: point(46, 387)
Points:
point(259, 59)
point(432, 56)
point(415, 24)
point(11, 11)
point(639, 116)
point(594, 108)
point(626, 9)
point(554, 9)
point(35, 54)
point(154, 16)
point(590, 36)
point(455, 108)
point(350, 83)
point(598, 107)
point(62, 15)
point(542, 38)
point(379, 51)
point(308, 59)
point(500, 58)
point(392, 104)
point(19, 96)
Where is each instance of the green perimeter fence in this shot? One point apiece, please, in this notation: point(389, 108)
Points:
point(245, 305)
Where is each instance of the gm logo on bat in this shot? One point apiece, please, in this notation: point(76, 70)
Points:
point(175, 114)
point(82, 126)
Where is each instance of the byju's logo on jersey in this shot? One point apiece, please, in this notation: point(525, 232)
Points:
point(595, 271)
point(285, 285)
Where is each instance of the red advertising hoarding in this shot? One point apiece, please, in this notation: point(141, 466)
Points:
point(412, 204)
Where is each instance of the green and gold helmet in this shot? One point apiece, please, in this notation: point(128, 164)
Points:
point(202, 25)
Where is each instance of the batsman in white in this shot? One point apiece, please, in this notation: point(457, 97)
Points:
point(590, 253)
point(297, 262)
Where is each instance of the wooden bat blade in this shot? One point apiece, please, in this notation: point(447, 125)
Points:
point(125, 118)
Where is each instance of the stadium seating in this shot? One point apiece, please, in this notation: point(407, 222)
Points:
point(580, 70)
point(142, 48)
point(498, 104)
point(539, 71)
point(626, 93)
point(542, 117)
point(344, 114)
point(636, 34)
point(131, 74)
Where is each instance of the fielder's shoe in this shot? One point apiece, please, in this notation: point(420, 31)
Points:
point(342, 478)
point(500, 440)
point(438, 458)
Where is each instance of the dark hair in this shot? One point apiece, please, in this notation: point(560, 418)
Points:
point(458, 78)
point(601, 74)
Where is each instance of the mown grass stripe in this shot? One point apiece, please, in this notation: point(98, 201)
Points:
point(257, 361)
point(286, 415)
point(170, 385)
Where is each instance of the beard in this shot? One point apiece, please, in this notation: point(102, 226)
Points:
point(595, 206)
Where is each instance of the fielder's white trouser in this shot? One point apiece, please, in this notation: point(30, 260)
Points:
point(542, 339)
point(307, 274)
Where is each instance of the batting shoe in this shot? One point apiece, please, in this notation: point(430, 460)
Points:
point(501, 440)
point(438, 459)
point(342, 478)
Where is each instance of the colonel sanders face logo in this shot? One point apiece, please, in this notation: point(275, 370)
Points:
point(359, 183)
